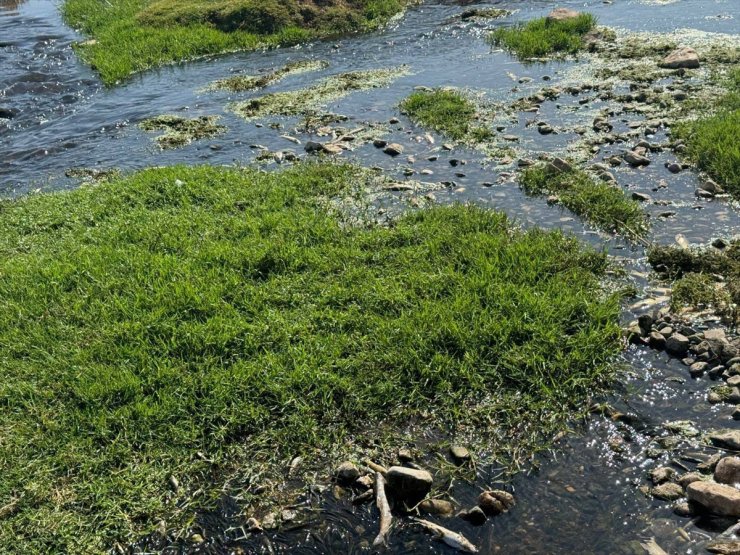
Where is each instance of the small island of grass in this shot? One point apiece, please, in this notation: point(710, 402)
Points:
point(448, 112)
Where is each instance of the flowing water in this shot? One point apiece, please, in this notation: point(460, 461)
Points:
point(582, 499)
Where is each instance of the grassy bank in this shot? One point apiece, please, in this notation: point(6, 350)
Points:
point(197, 322)
point(599, 203)
point(448, 112)
point(128, 36)
point(712, 142)
point(539, 37)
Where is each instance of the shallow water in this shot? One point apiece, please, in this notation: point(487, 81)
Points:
point(583, 499)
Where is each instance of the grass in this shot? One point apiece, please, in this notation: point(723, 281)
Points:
point(446, 111)
point(207, 322)
point(242, 83)
point(603, 205)
point(539, 37)
point(712, 142)
point(179, 131)
point(129, 36)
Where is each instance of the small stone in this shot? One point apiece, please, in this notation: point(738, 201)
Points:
point(346, 473)
point(438, 507)
point(394, 121)
point(393, 149)
point(685, 57)
point(459, 453)
point(408, 485)
point(662, 474)
point(196, 538)
point(645, 321)
point(404, 455)
point(495, 502)
point(634, 159)
point(677, 344)
point(287, 515)
point(545, 129)
point(380, 143)
point(558, 165)
point(657, 340)
point(724, 547)
point(728, 471)
point(253, 525)
point(673, 167)
point(683, 509)
point(685, 479)
point(640, 197)
point(667, 491)
point(474, 516)
point(698, 369)
point(719, 499)
point(562, 14)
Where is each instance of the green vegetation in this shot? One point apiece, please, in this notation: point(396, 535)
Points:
point(128, 36)
point(712, 142)
point(605, 206)
point(311, 100)
point(446, 111)
point(241, 83)
point(695, 271)
point(179, 131)
point(203, 323)
point(539, 38)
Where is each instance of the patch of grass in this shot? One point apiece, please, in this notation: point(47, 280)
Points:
point(310, 100)
point(539, 38)
point(192, 322)
point(242, 83)
point(698, 291)
point(603, 205)
point(129, 36)
point(180, 131)
point(712, 142)
point(446, 111)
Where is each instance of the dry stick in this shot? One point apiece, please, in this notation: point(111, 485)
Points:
point(385, 511)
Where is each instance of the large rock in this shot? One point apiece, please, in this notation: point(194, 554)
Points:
point(728, 439)
point(408, 485)
point(728, 471)
point(634, 159)
point(719, 499)
point(681, 58)
point(677, 344)
point(562, 14)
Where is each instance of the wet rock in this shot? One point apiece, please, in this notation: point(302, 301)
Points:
point(459, 453)
point(438, 507)
point(474, 516)
point(6, 113)
point(662, 474)
point(346, 473)
point(710, 464)
point(634, 159)
point(645, 321)
point(405, 455)
point(677, 344)
point(736, 413)
point(408, 485)
point(393, 149)
point(685, 57)
point(558, 165)
point(690, 477)
point(698, 369)
point(728, 471)
point(364, 482)
point(545, 129)
point(657, 340)
point(724, 547)
point(719, 499)
point(667, 491)
point(495, 502)
point(640, 197)
point(380, 143)
point(673, 167)
point(683, 509)
point(562, 14)
point(728, 439)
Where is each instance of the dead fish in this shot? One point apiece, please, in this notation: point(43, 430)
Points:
point(453, 539)
point(682, 242)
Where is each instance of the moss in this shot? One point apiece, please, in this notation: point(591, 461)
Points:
point(448, 112)
point(242, 83)
point(306, 101)
point(601, 204)
point(180, 131)
point(206, 323)
point(484, 13)
point(539, 38)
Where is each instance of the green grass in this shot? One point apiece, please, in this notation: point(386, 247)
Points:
point(712, 142)
point(130, 36)
point(447, 112)
point(539, 38)
point(603, 205)
point(207, 323)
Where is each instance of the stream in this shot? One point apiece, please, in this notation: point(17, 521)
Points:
point(582, 498)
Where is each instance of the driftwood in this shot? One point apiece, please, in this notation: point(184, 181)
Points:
point(453, 539)
point(385, 510)
point(375, 467)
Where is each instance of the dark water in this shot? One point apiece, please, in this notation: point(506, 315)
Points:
point(584, 499)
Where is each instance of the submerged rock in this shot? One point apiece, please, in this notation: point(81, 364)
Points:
point(474, 516)
point(719, 499)
point(439, 507)
point(686, 58)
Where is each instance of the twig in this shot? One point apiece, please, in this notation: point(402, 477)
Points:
point(385, 510)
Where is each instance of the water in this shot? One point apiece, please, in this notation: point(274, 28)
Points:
point(582, 499)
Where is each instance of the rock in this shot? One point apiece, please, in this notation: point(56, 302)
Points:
point(667, 491)
point(634, 159)
point(346, 473)
point(288, 515)
point(719, 499)
point(662, 474)
point(6, 113)
point(380, 143)
point(460, 453)
point(364, 482)
point(736, 413)
point(683, 509)
point(313, 146)
point(196, 538)
point(393, 149)
point(495, 502)
point(673, 167)
point(438, 507)
point(561, 14)
point(724, 547)
point(685, 57)
point(545, 129)
point(253, 525)
point(656, 340)
point(710, 464)
point(558, 165)
point(474, 516)
point(405, 455)
point(690, 477)
point(728, 471)
point(645, 321)
point(729, 439)
point(408, 485)
point(698, 369)
point(677, 344)
point(640, 197)
point(394, 121)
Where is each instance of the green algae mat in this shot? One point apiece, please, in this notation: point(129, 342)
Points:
point(164, 332)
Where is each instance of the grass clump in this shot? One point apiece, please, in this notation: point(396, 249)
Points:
point(311, 100)
point(192, 322)
point(698, 291)
point(446, 111)
point(603, 205)
point(180, 131)
point(242, 83)
point(128, 36)
point(712, 142)
point(541, 37)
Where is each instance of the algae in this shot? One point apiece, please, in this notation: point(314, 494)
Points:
point(180, 131)
point(242, 83)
